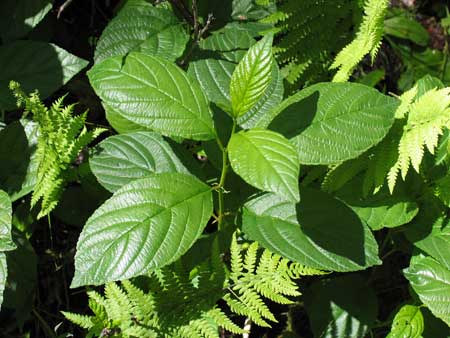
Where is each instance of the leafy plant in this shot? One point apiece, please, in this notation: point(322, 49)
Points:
point(229, 172)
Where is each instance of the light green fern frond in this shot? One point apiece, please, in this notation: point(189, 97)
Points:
point(61, 138)
point(427, 117)
point(367, 41)
point(83, 321)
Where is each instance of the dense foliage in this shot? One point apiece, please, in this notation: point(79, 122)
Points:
point(252, 168)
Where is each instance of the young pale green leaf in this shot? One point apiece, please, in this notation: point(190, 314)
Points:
point(3, 275)
point(145, 225)
point(35, 65)
point(341, 307)
point(431, 281)
point(408, 322)
point(265, 160)
point(154, 93)
point(334, 122)
point(139, 26)
point(251, 77)
point(6, 242)
point(320, 231)
point(121, 159)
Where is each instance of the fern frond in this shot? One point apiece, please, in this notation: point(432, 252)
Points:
point(302, 54)
point(367, 41)
point(83, 321)
point(61, 139)
point(428, 116)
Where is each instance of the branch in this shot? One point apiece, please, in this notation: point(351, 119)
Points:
point(179, 4)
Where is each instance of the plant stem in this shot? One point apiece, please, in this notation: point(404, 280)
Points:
point(223, 176)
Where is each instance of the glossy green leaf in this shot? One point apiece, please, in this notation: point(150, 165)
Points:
point(408, 322)
point(18, 173)
point(154, 93)
point(6, 242)
point(139, 26)
point(251, 77)
point(120, 123)
point(341, 307)
point(3, 275)
point(431, 281)
point(265, 160)
point(320, 231)
point(333, 122)
point(35, 65)
point(21, 17)
point(145, 225)
point(121, 159)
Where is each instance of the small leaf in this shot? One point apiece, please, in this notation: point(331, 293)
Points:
point(145, 225)
point(333, 122)
point(251, 77)
point(121, 159)
point(320, 231)
point(139, 26)
point(431, 281)
point(154, 93)
point(408, 322)
point(265, 160)
point(35, 65)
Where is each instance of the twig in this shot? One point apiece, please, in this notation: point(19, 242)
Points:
point(247, 327)
point(197, 38)
point(179, 4)
point(63, 7)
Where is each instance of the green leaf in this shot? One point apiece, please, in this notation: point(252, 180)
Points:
point(120, 123)
point(3, 275)
point(121, 159)
point(21, 16)
point(251, 77)
point(381, 210)
point(404, 27)
point(265, 160)
point(139, 26)
point(145, 225)
point(320, 231)
point(333, 122)
point(214, 76)
point(342, 307)
point(6, 242)
point(35, 65)
point(154, 93)
point(18, 173)
point(431, 281)
point(408, 322)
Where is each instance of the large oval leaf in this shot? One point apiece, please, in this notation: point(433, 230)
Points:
point(6, 242)
point(320, 231)
point(121, 159)
point(431, 281)
point(139, 26)
point(35, 65)
point(333, 122)
point(154, 93)
point(408, 322)
point(145, 225)
point(251, 77)
point(265, 160)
